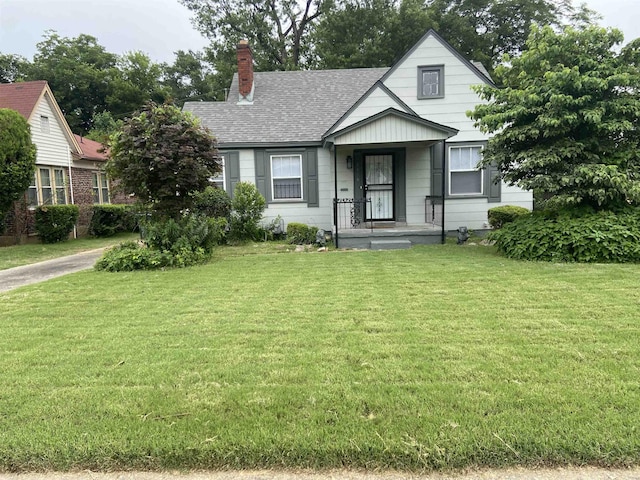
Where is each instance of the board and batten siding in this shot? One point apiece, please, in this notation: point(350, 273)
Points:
point(377, 101)
point(458, 96)
point(52, 147)
point(388, 129)
point(418, 183)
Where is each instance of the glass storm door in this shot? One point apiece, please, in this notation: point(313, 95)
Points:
point(378, 186)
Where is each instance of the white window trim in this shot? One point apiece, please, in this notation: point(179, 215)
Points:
point(301, 177)
point(54, 186)
point(481, 170)
point(431, 68)
point(223, 175)
point(99, 176)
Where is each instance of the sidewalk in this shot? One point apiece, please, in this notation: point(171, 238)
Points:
point(584, 473)
point(39, 272)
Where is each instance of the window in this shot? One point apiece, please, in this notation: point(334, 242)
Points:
point(32, 193)
point(49, 187)
point(465, 178)
point(44, 124)
point(286, 177)
point(431, 82)
point(219, 181)
point(100, 188)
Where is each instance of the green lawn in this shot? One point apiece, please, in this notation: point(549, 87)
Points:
point(436, 357)
point(17, 255)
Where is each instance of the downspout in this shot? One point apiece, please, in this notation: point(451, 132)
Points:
point(75, 226)
point(444, 193)
point(335, 194)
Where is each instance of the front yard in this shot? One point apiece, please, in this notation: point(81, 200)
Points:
point(436, 357)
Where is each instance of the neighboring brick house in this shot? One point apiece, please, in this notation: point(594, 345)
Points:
point(68, 167)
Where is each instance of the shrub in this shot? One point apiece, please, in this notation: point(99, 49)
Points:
point(572, 237)
point(108, 220)
point(54, 223)
point(301, 234)
point(212, 202)
point(247, 208)
point(498, 216)
point(131, 256)
point(168, 243)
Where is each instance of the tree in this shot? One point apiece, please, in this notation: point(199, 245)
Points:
point(162, 156)
point(277, 30)
point(191, 77)
point(13, 68)
point(567, 122)
point(79, 71)
point(17, 158)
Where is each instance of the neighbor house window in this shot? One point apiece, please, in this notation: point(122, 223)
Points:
point(465, 177)
point(32, 193)
point(219, 180)
point(51, 186)
point(431, 82)
point(286, 177)
point(100, 188)
point(44, 124)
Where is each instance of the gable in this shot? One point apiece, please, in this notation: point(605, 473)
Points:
point(459, 75)
point(376, 100)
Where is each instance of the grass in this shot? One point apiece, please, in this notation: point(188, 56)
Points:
point(439, 357)
point(17, 255)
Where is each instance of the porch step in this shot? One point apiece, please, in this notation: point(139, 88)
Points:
point(390, 244)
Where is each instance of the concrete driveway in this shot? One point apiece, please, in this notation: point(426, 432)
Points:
point(39, 272)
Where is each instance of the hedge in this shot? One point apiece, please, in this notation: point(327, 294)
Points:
point(54, 223)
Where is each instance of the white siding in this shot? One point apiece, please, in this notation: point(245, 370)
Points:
point(418, 182)
point(472, 212)
point(52, 147)
point(458, 96)
point(389, 129)
point(377, 101)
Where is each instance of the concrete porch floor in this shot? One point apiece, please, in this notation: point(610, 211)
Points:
point(390, 237)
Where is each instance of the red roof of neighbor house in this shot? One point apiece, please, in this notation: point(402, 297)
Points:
point(91, 150)
point(22, 96)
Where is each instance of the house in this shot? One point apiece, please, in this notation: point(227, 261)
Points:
point(68, 167)
point(383, 157)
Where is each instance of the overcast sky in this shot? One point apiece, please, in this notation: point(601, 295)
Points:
point(161, 27)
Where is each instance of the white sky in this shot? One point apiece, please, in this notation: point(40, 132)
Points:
point(161, 27)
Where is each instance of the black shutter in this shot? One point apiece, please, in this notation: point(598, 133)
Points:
point(311, 182)
point(262, 173)
point(494, 187)
point(232, 167)
point(437, 169)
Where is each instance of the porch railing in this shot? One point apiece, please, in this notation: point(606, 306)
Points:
point(350, 213)
point(434, 210)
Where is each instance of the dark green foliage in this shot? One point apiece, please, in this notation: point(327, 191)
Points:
point(129, 256)
point(168, 243)
point(567, 123)
point(212, 202)
point(17, 158)
point(498, 216)
point(162, 156)
point(108, 220)
point(247, 209)
point(602, 236)
point(301, 234)
point(54, 223)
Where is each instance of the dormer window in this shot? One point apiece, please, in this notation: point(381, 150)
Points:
point(44, 124)
point(431, 82)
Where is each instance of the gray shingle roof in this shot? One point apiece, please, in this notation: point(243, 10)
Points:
point(288, 107)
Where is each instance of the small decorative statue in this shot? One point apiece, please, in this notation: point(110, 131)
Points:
point(321, 238)
point(463, 235)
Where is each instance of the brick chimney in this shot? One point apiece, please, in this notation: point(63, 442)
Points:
point(245, 72)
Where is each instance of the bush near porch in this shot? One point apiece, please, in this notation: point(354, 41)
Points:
point(437, 357)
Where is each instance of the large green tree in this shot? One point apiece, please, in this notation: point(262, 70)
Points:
point(13, 68)
point(567, 122)
point(79, 71)
point(192, 77)
point(17, 158)
point(278, 31)
point(162, 155)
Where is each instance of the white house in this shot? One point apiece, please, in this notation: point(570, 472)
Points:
point(384, 157)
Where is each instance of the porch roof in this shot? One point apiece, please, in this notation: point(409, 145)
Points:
point(391, 126)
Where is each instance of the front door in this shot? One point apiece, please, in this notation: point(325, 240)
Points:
point(378, 186)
